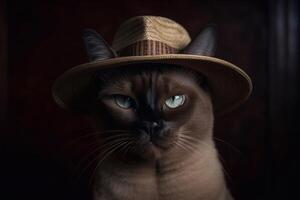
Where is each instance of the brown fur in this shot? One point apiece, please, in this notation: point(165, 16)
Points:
point(167, 171)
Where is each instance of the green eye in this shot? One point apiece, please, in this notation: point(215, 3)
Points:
point(175, 101)
point(123, 101)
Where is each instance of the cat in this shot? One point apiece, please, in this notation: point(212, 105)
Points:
point(154, 135)
point(153, 122)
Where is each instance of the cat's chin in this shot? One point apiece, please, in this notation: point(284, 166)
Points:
point(150, 151)
point(146, 152)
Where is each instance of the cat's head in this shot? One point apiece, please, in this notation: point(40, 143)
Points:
point(147, 110)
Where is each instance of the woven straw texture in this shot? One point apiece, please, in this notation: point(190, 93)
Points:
point(152, 39)
point(151, 28)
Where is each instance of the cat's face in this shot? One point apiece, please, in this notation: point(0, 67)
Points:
point(146, 112)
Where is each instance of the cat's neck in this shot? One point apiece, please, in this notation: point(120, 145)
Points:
point(174, 177)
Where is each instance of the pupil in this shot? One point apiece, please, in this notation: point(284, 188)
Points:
point(129, 102)
point(126, 100)
point(176, 98)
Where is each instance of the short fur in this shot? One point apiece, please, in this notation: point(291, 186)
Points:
point(174, 160)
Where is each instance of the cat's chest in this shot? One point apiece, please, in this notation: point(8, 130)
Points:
point(192, 180)
point(201, 179)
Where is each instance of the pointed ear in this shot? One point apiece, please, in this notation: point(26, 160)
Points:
point(96, 47)
point(204, 44)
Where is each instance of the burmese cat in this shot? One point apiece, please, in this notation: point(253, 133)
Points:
point(154, 126)
point(155, 135)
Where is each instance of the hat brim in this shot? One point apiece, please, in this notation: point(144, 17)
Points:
point(229, 85)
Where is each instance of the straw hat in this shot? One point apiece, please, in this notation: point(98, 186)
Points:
point(153, 39)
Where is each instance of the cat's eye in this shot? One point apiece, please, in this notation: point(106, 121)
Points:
point(123, 101)
point(175, 101)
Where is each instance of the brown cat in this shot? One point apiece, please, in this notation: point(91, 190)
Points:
point(155, 135)
point(154, 119)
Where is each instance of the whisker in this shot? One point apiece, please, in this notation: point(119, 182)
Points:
point(188, 138)
point(110, 145)
point(185, 141)
point(133, 148)
point(115, 136)
point(102, 154)
point(96, 158)
point(99, 147)
point(223, 168)
point(230, 145)
point(181, 146)
point(126, 147)
point(194, 140)
point(110, 138)
point(108, 153)
point(184, 132)
point(187, 145)
point(95, 134)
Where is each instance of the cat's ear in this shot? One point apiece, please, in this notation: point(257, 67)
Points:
point(97, 48)
point(204, 44)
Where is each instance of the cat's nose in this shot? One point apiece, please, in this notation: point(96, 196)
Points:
point(149, 126)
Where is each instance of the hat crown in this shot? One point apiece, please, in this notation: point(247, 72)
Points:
point(158, 35)
point(144, 36)
point(150, 35)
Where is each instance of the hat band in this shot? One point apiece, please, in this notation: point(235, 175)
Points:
point(147, 47)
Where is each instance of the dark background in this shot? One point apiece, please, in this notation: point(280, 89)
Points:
point(41, 39)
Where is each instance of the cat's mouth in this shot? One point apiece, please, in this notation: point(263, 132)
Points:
point(153, 141)
point(151, 150)
point(152, 146)
point(147, 147)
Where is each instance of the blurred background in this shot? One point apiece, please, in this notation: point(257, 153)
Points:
point(39, 40)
